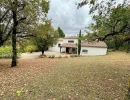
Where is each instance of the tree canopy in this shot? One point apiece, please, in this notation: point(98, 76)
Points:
point(45, 37)
point(111, 20)
point(61, 33)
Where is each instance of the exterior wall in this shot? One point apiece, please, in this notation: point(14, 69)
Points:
point(93, 51)
point(66, 40)
point(56, 48)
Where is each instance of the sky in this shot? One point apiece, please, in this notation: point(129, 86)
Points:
point(64, 14)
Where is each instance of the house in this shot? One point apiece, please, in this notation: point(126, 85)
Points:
point(69, 45)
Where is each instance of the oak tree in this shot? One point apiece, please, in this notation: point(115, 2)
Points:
point(17, 16)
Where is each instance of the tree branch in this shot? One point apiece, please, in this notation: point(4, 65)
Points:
point(4, 15)
point(84, 2)
point(6, 38)
point(5, 30)
point(22, 6)
point(126, 39)
point(113, 33)
point(21, 19)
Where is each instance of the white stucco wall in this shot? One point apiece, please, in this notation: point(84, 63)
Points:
point(66, 40)
point(93, 51)
point(56, 48)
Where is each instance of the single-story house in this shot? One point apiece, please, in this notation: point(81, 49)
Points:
point(69, 45)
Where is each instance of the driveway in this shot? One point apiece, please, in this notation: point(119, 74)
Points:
point(37, 54)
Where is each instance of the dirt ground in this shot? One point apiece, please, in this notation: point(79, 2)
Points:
point(37, 54)
point(79, 78)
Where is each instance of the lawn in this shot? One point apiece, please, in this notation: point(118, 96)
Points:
point(79, 78)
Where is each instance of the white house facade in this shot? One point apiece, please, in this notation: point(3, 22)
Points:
point(69, 45)
point(56, 47)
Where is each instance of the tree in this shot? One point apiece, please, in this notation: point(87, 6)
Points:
point(112, 20)
point(45, 36)
point(79, 43)
point(109, 20)
point(18, 16)
point(5, 24)
point(61, 33)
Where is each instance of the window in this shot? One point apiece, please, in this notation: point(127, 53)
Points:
point(59, 45)
point(70, 41)
point(85, 51)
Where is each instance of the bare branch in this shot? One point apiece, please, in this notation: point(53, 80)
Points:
point(21, 19)
point(21, 7)
point(4, 15)
point(7, 25)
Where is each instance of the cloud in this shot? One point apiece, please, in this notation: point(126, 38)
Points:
point(64, 13)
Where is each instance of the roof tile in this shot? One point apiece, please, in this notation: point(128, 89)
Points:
point(94, 44)
point(69, 45)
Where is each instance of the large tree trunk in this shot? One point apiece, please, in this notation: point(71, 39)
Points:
point(128, 48)
point(1, 42)
point(14, 57)
point(42, 52)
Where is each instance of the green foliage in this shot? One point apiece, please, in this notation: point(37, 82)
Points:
point(79, 43)
point(73, 55)
point(52, 56)
point(19, 92)
point(20, 16)
point(110, 23)
point(127, 96)
point(45, 36)
point(42, 56)
point(6, 52)
point(30, 48)
point(61, 33)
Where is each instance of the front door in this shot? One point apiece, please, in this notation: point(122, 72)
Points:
point(67, 50)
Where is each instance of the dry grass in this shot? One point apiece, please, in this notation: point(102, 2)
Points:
point(80, 78)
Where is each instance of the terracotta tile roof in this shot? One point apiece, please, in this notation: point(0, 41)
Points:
point(69, 45)
point(100, 44)
point(71, 37)
point(60, 39)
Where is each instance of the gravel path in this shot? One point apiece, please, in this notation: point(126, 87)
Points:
point(37, 54)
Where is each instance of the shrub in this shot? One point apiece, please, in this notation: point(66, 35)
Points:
point(30, 48)
point(73, 55)
point(6, 52)
point(127, 96)
point(52, 56)
point(59, 56)
point(42, 56)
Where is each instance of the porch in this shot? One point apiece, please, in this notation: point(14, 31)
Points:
point(69, 48)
